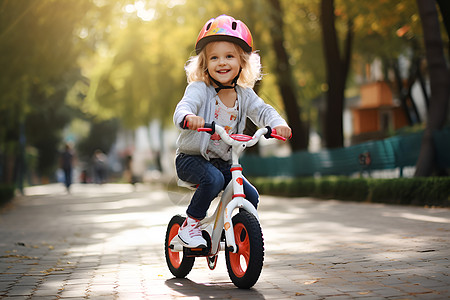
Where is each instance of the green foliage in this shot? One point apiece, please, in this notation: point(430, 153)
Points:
point(44, 123)
point(124, 59)
point(418, 191)
point(399, 191)
point(379, 25)
point(38, 55)
point(354, 189)
point(433, 191)
point(132, 54)
point(37, 46)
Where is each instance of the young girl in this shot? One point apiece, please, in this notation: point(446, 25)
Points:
point(221, 77)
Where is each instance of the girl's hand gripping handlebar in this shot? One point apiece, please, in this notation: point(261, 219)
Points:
point(192, 122)
point(209, 128)
point(267, 132)
point(272, 133)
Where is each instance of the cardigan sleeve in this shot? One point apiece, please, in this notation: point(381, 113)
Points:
point(191, 102)
point(261, 113)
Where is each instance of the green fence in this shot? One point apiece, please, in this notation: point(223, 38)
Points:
point(395, 152)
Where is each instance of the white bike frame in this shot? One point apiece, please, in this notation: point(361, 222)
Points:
point(233, 196)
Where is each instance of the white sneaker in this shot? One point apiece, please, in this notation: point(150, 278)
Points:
point(190, 234)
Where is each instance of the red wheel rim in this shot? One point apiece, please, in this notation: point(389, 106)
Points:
point(239, 261)
point(174, 256)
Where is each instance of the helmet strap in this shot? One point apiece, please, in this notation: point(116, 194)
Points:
point(220, 86)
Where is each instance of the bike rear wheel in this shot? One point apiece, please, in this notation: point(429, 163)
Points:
point(179, 264)
point(244, 267)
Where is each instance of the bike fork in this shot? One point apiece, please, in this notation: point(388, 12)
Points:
point(238, 201)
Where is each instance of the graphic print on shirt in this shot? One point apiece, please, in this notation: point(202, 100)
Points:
point(227, 117)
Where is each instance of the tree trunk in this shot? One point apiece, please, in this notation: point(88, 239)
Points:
point(444, 6)
point(404, 90)
point(439, 83)
point(285, 81)
point(337, 70)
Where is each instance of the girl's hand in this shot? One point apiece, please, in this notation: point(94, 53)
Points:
point(284, 131)
point(194, 122)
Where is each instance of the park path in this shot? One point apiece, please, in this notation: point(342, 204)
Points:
point(106, 242)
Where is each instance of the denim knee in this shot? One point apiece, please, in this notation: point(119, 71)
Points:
point(214, 182)
point(251, 193)
point(210, 185)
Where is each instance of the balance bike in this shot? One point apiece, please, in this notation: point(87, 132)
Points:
point(239, 235)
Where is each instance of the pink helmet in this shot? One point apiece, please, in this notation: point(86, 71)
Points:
point(225, 28)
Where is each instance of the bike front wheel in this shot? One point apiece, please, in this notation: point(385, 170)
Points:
point(244, 267)
point(179, 264)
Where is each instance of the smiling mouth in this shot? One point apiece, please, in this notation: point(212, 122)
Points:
point(223, 71)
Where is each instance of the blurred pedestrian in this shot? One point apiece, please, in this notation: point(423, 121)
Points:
point(128, 172)
point(100, 163)
point(66, 163)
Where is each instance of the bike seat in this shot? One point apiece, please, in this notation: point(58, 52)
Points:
point(186, 184)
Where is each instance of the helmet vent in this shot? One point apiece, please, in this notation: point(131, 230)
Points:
point(208, 26)
point(234, 25)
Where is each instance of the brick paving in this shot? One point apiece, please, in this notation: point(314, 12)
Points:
point(106, 242)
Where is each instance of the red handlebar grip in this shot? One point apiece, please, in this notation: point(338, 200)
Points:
point(204, 129)
point(278, 137)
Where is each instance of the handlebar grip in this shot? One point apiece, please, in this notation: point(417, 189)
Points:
point(209, 128)
point(203, 129)
point(268, 135)
point(278, 137)
point(272, 133)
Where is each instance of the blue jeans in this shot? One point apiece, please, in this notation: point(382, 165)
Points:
point(212, 177)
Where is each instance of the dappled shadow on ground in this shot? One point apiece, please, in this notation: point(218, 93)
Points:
point(108, 240)
point(357, 248)
point(97, 241)
point(214, 290)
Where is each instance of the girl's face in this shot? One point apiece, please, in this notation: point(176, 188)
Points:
point(223, 61)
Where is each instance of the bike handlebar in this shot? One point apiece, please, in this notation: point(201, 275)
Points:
point(267, 132)
point(211, 128)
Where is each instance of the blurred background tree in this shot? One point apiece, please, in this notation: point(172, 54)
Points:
point(38, 55)
point(439, 85)
point(101, 60)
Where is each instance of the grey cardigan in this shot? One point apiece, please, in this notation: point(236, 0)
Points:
point(199, 100)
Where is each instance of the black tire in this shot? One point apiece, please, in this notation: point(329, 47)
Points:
point(244, 267)
point(179, 265)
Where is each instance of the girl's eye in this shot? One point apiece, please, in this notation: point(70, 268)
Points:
point(230, 56)
point(213, 57)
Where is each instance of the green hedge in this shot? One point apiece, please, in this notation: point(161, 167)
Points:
point(6, 193)
point(433, 191)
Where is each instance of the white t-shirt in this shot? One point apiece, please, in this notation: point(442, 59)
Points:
point(227, 117)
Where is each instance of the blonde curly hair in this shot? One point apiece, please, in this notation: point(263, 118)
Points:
point(196, 68)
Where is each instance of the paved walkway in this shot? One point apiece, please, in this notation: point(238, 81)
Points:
point(106, 242)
